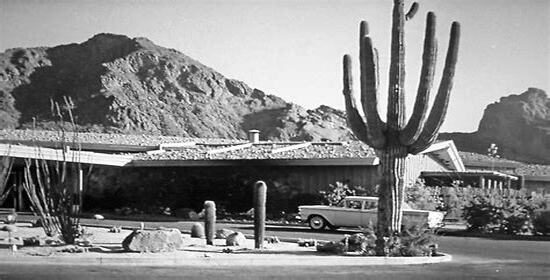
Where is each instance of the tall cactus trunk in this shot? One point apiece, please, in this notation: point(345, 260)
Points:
point(390, 194)
point(394, 139)
point(393, 165)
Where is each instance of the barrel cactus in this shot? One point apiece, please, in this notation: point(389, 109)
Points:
point(394, 139)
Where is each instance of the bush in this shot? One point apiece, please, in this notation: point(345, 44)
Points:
point(336, 193)
point(541, 222)
point(417, 241)
point(419, 196)
point(412, 242)
point(509, 212)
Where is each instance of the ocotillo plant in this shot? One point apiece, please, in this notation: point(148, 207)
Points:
point(209, 221)
point(260, 190)
point(394, 139)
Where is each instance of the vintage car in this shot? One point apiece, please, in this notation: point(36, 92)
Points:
point(361, 211)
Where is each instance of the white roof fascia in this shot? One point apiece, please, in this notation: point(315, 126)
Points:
point(451, 150)
point(33, 152)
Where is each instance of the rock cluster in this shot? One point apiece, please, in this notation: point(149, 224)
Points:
point(235, 239)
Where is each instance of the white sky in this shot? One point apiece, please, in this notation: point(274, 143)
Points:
point(294, 49)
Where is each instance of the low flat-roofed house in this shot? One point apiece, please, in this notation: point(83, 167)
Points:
point(532, 177)
point(184, 171)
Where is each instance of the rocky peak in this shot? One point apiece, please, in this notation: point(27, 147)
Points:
point(519, 124)
point(124, 85)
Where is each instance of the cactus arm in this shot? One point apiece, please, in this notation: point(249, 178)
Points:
point(412, 11)
point(355, 120)
point(369, 90)
point(396, 79)
point(412, 131)
point(439, 109)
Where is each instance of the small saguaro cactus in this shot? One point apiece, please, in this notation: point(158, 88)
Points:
point(260, 190)
point(394, 139)
point(210, 221)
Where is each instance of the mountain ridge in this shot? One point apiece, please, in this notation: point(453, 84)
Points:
point(118, 84)
point(130, 85)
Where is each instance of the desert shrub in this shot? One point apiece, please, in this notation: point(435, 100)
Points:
point(420, 196)
point(509, 212)
point(483, 214)
point(541, 222)
point(453, 199)
point(336, 193)
point(414, 241)
point(50, 185)
point(336, 248)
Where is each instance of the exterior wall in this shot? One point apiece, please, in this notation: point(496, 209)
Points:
point(307, 179)
point(419, 163)
point(231, 186)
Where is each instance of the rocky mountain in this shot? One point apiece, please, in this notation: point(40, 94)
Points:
point(118, 84)
point(114, 83)
point(518, 124)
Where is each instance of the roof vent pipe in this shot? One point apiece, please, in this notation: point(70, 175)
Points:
point(254, 136)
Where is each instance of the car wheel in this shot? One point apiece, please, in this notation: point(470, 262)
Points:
point(317, 222)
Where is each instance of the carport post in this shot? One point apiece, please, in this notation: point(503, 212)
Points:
point(481, 182)
point(80, 187)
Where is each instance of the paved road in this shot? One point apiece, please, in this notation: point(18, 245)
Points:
point(473, 258)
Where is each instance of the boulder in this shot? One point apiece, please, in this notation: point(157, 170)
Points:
point(98, 217)
point(223, 233)
point(166, 240)
point(235, 239)
point(197, 230)
point(11, 218)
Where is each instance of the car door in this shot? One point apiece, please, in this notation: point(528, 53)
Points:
point(369, 214)
point(350, 214)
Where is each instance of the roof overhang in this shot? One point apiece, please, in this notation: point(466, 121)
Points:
point(445, 153)
point(370, 161)
point(97, 147)
point(467, 174)
point(68, 155)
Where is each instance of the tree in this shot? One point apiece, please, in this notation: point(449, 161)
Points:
point(394, 139)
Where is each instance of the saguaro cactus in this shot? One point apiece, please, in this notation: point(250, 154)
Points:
point(260, 190)
point(209, 221)
point(394, 139)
